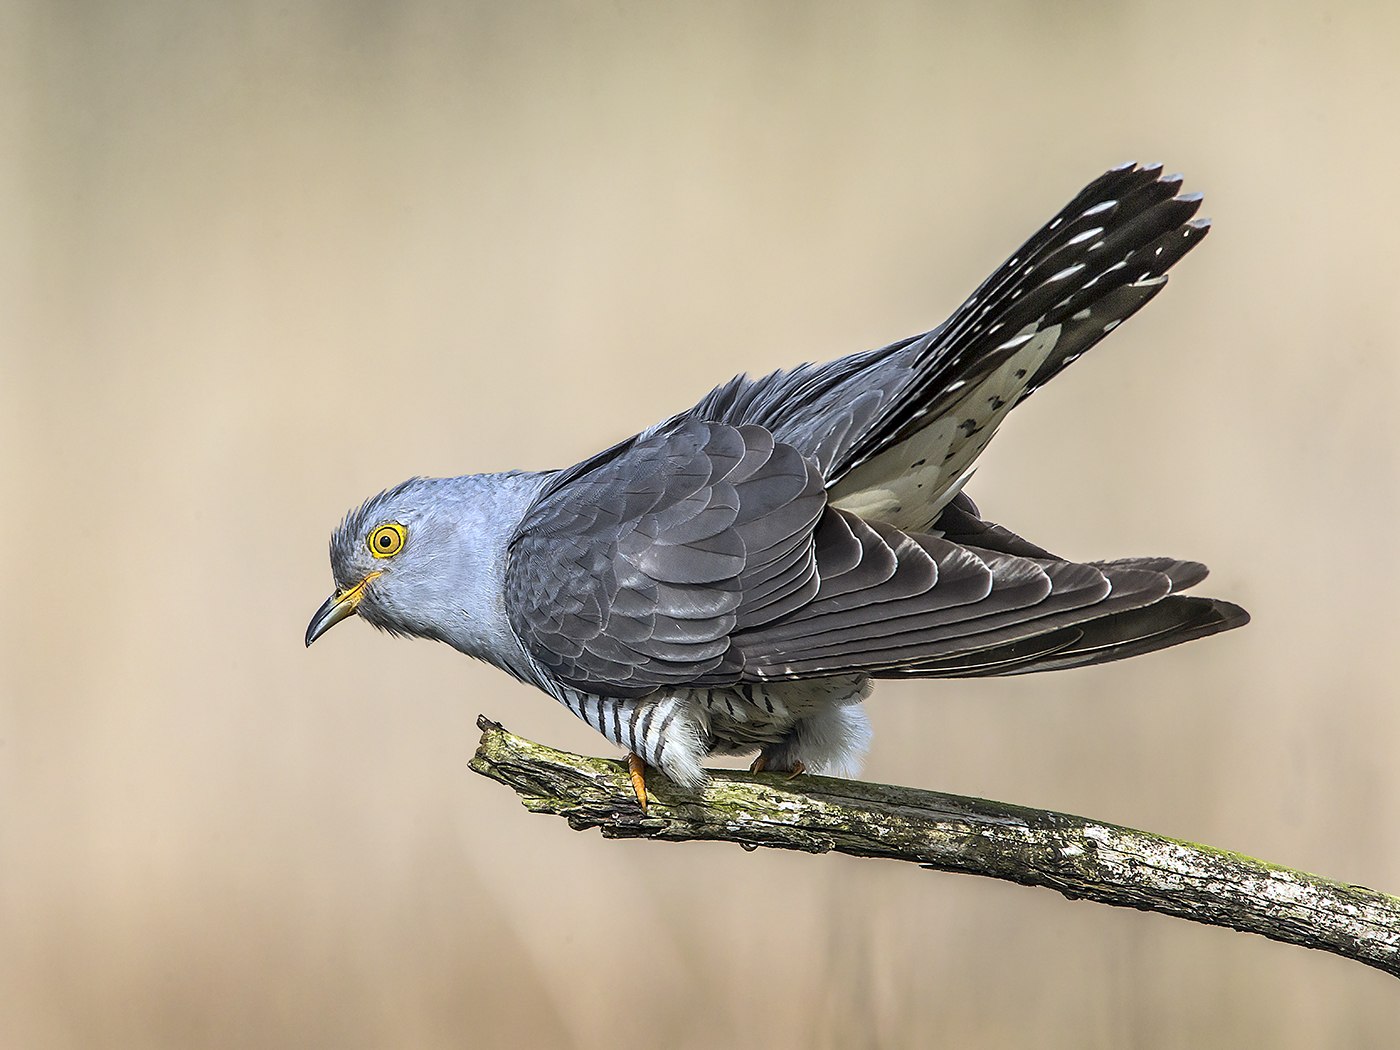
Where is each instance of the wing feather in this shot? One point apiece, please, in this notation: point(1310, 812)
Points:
point(633, 574)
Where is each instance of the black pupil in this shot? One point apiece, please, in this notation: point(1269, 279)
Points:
point(386, 541)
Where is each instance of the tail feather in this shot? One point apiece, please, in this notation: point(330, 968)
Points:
point(1099, 261)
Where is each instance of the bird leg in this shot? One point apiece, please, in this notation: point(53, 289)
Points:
point(636, 772)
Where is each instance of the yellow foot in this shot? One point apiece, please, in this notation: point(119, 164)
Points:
point(636, 770)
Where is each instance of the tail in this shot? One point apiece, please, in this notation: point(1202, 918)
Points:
point(910, 580)
point(1094, 265)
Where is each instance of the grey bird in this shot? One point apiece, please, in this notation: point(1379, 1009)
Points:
point(732, 579)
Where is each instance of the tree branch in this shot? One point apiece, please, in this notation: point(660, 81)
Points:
point(1080, 858)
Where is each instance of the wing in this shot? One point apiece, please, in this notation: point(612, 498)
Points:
point(891, 603)
point(632, 571)
point(706, 555)
point(1115, 636)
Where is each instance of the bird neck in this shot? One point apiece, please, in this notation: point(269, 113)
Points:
point(485, 509)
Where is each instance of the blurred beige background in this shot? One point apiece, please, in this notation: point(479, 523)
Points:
point(260, 260)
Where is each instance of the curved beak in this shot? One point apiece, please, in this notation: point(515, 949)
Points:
point(337, 608)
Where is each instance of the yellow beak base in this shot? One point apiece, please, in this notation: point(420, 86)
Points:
point(336, 608)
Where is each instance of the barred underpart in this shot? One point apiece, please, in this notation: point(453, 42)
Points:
point(818, 725)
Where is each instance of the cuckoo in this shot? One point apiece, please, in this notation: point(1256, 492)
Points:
point(733, 579)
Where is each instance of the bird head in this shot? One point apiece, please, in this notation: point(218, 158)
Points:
point(427, 558)
point(387, 558)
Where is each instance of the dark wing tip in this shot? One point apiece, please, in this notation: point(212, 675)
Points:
point(1229, 614)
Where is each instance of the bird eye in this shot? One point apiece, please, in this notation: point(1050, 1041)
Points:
point(387, 539)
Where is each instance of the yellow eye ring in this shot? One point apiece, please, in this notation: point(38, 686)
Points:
point(387, 539)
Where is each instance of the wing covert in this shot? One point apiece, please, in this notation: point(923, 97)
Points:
point(631, 574)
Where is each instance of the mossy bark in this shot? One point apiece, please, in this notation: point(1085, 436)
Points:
point(1080, 858)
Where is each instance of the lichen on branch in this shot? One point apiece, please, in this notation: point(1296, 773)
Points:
point(1079, 857)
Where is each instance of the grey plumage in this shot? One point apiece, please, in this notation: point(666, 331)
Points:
point(732, 578)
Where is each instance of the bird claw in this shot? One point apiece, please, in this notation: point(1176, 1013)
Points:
point(760, 765)
point(636, 772)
